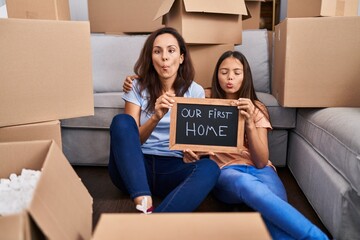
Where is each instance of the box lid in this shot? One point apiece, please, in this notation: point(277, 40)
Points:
point(190, 226)
point(61, 205)
point(237, 7)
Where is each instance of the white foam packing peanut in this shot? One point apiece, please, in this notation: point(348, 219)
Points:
point(17, 191)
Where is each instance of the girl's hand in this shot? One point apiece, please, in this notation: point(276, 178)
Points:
point(190, 156)
point(128, 83)
point(247, 110)
point(162, 105)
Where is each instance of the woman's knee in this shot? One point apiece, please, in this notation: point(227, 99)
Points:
point(122, 121)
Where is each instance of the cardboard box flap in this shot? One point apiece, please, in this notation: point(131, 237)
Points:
point(14, 226)
point(164, 8)
point(19, 155)
point(51, 207)
point(208, 6)
point(215, 6)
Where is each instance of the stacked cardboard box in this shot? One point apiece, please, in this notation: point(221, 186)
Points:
point(316, 59)
point(38, 9)
point(45, 73)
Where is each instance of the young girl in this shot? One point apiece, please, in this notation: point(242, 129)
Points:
point(249, 177)
point(141, 163)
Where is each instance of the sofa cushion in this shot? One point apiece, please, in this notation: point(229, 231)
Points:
point(255, 47)
point(335, 134)
point(107, 105)
point(113, 58)
point(280, 117)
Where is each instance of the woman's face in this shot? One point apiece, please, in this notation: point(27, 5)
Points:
point(166, 56)
point(231, 75)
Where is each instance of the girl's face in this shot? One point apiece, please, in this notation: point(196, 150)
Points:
point(231, 76)
point(166, 56)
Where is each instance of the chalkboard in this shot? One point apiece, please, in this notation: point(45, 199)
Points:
point(206, 125)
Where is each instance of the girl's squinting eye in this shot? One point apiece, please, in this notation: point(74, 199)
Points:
point(224, 71)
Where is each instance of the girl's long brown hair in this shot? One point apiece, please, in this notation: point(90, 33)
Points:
point(246, 90)
point(148, 77)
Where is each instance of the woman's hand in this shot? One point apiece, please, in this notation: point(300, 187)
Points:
point(247, 110)
point(128, 83)
point(163, 104)
point(190, 156)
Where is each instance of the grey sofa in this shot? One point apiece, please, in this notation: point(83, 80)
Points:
point(324, 157)
point(86, 140)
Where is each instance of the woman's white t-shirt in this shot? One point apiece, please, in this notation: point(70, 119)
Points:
point(158, 141)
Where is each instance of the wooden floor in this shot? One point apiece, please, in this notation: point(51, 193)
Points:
point(108, 199)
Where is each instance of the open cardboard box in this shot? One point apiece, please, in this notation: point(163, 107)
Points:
point(46, 71)
point(317, 62)
point(34, 131)
point(38, 9)
point(61, 207)
point(204, 21)
point(180, 226)
point(118, 16)
point(252, 21)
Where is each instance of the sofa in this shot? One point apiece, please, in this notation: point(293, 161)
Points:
point(324, 158)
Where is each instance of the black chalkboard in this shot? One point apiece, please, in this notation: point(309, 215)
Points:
point(206, 125)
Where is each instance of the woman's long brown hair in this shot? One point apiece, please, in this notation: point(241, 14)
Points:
point(148, 77)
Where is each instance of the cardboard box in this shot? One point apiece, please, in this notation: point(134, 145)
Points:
point(204, 21)
point(116, 16)
point(38, 9)
point(316, 8)
point(204, 58)
point(61, 206)
point(45, 68)
point(179, 226)
point(35, 131)
point(316, 62)
point(252, 21)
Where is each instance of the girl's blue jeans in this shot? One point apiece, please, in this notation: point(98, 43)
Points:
point(262, 190)
point(182, 185)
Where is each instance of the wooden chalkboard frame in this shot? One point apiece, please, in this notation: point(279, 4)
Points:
point(173, 145)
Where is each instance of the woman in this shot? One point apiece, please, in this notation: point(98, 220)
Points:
point(249, 177)
point(140, 160)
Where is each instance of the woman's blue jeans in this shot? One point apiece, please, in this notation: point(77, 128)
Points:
point(182, 185)
point(262, 190)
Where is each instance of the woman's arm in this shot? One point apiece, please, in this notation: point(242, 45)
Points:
point(162, 106)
